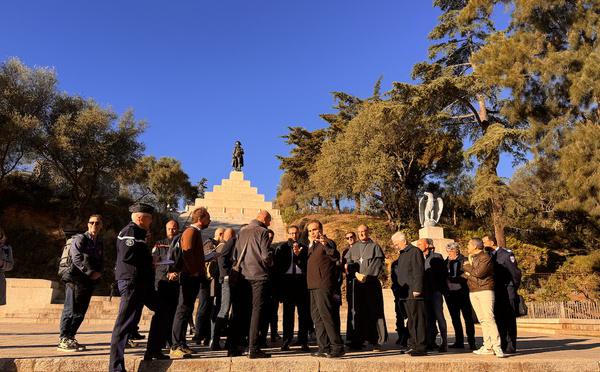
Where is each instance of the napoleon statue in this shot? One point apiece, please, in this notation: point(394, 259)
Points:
point(237, 161)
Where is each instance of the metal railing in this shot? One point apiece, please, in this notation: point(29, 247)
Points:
point(564, 310)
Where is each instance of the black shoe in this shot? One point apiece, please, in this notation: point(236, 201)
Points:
point(258, 355)
point(443, 348)
point(136, 336)
point(413, 352)
point(456, 346)
point(305, 348)
point(215, 346)
point(336, 354)
point(510, 351)
point(320, 354)
point(234, 353)
point(285, 347)
point(276, 337)
point(472, 346)
point(156, 356)
point(432, 347)
point(377, 347)
point(355, 346)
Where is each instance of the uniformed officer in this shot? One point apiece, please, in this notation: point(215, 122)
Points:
point(507, 278)
point(135, 279)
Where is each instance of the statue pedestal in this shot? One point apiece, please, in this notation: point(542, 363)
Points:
point(436, 233)
point(235, 202)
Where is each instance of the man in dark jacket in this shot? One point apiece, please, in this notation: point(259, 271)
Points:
point(167, 287)
point(435, 287)
point(135, 280)
point(290, 267)
point(457, 298)
point(86, 253)
point(507, 279)
point(410, 273)
point(256, 259)
point(322, 281)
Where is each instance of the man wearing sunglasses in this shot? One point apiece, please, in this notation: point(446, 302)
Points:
point(86, 255)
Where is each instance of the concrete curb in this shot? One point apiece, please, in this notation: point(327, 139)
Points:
point(301, 364)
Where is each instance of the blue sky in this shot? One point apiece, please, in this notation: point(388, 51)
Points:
point(204, 74)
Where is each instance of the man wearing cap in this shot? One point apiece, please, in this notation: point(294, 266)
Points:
point(135, 280)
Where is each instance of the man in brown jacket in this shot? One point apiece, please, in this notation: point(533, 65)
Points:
point(322, 274)
point(479, 272)
point(192, 273)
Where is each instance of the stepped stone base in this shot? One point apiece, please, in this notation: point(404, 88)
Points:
point(436, 233)
point(234, 203)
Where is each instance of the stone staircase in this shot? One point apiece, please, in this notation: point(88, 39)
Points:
point(234, 203)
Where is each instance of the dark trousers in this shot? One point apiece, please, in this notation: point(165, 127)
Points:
point(349, 317)
point(270, 316)
point(399, 307)
point(162, 320)
point(204, 312)
point(188, 291)
point(133, 295)
point(325, 312)
point(77, 301)
point(259, 292)
point(434, 305)
point(458, 301)
point(241, 311)
point(506, 319)
point(417, 323)
point(295, 296)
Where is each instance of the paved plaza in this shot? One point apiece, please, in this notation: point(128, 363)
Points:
point(29, 347)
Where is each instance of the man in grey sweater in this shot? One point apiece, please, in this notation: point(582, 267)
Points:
point(252, 250)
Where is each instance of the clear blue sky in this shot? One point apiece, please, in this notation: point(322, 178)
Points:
point(204, 74)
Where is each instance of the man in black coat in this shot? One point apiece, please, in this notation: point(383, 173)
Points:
point(507, 279)
point(290, 267)
point(410, 273)
point(322, 279)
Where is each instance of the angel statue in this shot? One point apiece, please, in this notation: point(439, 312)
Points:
point(237, 161)
point(430, 209)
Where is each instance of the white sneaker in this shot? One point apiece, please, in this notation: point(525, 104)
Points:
point(483, 351)
point(499, 353)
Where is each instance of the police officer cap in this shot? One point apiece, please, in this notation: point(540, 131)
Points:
point(141, 208)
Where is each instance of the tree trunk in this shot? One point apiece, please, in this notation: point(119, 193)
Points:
point(454, 216)
point(498, 226)
point(336, 200)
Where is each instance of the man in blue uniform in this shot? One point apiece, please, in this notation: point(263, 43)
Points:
point(135, 279)
point(507, 277)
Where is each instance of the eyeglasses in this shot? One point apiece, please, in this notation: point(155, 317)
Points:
point(349, 238)
point(94, 223)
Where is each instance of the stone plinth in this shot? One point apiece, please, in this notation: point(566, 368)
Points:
point(233, 203)
point(436, 233)
point(32, 293)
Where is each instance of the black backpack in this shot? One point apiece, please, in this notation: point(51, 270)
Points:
point(174, 254)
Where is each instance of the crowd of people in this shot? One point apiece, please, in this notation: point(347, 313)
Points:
point(241, 278)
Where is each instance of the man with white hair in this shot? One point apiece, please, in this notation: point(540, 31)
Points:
point(410, 274)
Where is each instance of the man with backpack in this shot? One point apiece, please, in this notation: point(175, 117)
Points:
point(80, 269)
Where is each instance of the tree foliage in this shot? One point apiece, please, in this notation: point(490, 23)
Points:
point(26, 95)
point(163, 182)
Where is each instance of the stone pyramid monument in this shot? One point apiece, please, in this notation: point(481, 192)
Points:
point(233, 203)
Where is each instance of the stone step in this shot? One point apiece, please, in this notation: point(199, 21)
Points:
point(306, 363)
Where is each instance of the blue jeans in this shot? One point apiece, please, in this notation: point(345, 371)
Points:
point(225, 299)
point(77, 300)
